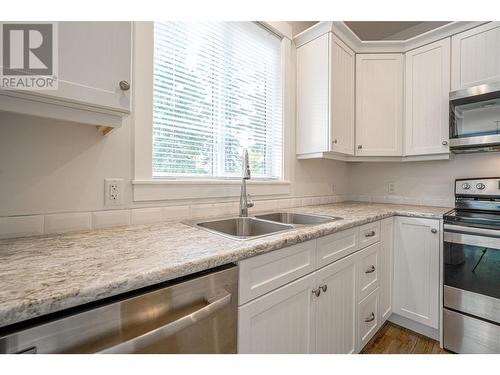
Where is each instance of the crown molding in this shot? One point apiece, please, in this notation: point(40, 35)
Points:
point(383, 46)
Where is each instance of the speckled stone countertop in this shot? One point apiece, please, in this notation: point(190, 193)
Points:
point(44, 274)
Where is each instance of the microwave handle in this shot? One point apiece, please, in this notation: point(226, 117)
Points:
point(169, 329)
point(471, 230)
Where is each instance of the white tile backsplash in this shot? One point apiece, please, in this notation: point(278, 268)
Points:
point(21, 226)
point(175, 213)
point(146, 215)
point(66, 222)
point(105, 219)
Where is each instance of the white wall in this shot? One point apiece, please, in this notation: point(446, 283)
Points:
point(430, 182)
point(48, 166)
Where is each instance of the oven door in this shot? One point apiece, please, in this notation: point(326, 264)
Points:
point(472, 271)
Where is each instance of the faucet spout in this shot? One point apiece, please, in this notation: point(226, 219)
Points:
point(245, 199)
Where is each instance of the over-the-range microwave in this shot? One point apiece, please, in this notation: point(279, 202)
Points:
point(475, 119)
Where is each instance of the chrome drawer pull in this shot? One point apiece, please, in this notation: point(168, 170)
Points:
point(316, 292)
point(371, 318)
point(370, 270)
point(370, 234)
point(324, 288)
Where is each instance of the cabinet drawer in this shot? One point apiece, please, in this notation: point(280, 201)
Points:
point(368, 234)
point(266, 272)
point(367, 319)
point(368, 270)
point(336, 246)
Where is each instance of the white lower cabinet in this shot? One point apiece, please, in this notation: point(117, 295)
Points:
point(336, 308)
point(281, 321)
point(385, 274)
point(416, 270)
point(368, 318)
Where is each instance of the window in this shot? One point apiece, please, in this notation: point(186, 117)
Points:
point(217, 89)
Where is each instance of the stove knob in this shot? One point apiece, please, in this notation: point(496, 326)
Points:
point(480, 186)
point(466, 186)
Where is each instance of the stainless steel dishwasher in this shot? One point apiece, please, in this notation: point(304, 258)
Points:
point(192, 315)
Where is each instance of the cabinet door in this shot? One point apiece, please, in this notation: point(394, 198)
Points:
point(416, 270)
point(313, 96)
point(336, 307)
point(342, 97)
point(386, 268)
point(93, 58)
point(379, 104)
point(476, 56)
point(281, 321)
point(427, 97)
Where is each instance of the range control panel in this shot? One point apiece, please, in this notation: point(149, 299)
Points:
point(478, 187)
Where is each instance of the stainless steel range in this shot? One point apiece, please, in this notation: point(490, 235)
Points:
point(471, 314)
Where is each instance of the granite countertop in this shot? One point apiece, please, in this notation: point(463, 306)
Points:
point(44, 274)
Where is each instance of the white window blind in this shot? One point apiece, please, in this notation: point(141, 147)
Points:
point(217, 89)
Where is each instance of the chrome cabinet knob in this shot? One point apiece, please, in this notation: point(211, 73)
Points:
point(316, 292)
point(334, 141)
point(371, 318)
point(124, 85)
point(466, 186)
point(323, 288)
point(433, 230)
point(360, 147)
point(480, 186)
point(445, 143)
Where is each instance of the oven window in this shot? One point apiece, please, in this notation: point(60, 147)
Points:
point(472, 268)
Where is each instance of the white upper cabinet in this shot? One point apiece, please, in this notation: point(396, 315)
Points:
point(342, 97)
point(94, 76)
point(325, 96)
point(379, 104)
point(427, 97)
point(476, 56)
point(416, 270)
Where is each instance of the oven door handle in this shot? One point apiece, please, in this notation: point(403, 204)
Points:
point(472, 230)
point(148, 338)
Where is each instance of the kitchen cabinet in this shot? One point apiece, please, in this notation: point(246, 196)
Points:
point(416, 270)
point(427, 77)
point(475, 56)
point(386, 272)
point(379, 104)
point(282, 321)
point(94, 76)
point(336, 307)
point(325, 97)
point(368, 318)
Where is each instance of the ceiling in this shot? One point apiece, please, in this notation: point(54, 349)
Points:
point(391, 30)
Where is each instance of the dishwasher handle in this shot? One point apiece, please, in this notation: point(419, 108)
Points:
point(148, 338)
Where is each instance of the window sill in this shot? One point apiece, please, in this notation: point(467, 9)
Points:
point(161, 190)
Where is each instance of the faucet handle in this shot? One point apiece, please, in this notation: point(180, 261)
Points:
point(250, 203)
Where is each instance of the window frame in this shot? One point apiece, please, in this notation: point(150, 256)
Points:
point(149, 188)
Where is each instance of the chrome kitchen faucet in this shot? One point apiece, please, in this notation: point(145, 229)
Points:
point(245, 199)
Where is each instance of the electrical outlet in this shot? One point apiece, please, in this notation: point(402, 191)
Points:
point(392, 187)
point(113, 191)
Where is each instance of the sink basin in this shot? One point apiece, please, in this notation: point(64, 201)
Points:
point(243, 227)
point(298, 219)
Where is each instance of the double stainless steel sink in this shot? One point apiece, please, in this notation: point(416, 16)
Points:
point(243, 228)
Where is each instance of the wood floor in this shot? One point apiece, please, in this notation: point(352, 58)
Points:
point(393, 339)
